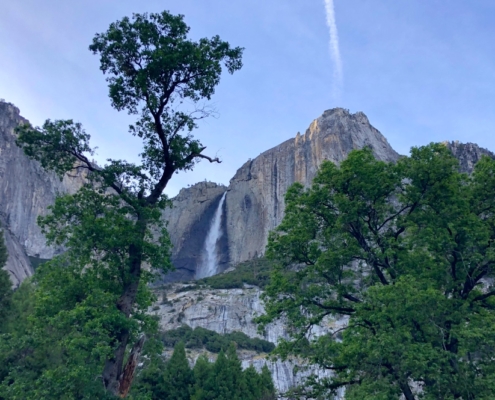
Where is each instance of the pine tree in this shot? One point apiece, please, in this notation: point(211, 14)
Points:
point(6, 291)
point(253, 384)
point(266, 384)
point(239, 388)
point(151, 381)
point(203, 382)
point(179, 378)
point(220, 380)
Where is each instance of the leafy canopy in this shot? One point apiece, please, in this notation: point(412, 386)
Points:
point(404, 254)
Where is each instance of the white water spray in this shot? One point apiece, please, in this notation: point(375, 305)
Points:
point(209, 263)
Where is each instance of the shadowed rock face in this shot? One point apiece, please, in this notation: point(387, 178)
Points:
point(468, 154)
point(189, 220)
point(255, 199)
point(26, 191)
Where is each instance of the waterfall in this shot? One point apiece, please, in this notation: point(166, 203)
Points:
point(209, 260)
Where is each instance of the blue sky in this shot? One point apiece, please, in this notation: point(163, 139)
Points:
point(422, 71)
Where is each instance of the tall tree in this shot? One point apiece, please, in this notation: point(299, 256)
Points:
point(203, 382)
point(179, 378)
point(406, 252)
point(266, 384)
point(253, 384)
point(109, 226)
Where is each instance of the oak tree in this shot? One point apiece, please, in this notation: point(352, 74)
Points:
point(403, 254)
point(109, 227)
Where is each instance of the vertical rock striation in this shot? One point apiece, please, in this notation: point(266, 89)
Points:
point(233, 310)
point(255, 203)
point(26, 191)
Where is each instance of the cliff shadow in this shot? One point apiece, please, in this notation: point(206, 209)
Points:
point(190, 256)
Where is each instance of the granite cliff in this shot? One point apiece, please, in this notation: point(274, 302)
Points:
point(189, 219)
point(229, 310)
point(253, 206)
point(26, 191)
point(254, 203)
point(468, 154)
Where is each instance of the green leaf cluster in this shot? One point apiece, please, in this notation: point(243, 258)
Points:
point(405, 253)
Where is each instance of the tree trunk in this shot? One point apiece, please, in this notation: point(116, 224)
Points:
point(406, 390)
point(114, 371)
point(130, 368)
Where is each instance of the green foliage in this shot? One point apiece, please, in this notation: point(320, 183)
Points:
point(254, 272)
point(202, 384)
point(36, 261)
point(265, 385)
point(227, 376)
point(406, 251)
point(90, 302)
point(63, 138)
point(152, 65)
point(178, 376)
point(223, 379)
point(60, 337)
point(199, 338)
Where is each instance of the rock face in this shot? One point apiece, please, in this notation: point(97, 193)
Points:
point(468, 154)
point(255, 201)
point(26, 191)
point(254, 204)
point(230, 310)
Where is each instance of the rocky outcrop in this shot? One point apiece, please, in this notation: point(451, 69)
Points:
point(468, 154)
point(26, 191)
point(254, 204)
point(230, 310)
point(255, 201)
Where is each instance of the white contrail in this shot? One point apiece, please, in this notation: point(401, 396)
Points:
point(334, 48)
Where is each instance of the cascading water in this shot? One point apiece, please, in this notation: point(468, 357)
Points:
point(209, 262)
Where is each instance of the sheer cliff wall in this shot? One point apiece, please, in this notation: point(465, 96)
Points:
point(26, 191)
point(255, 198)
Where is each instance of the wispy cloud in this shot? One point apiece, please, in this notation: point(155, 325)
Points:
point(334, 49)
